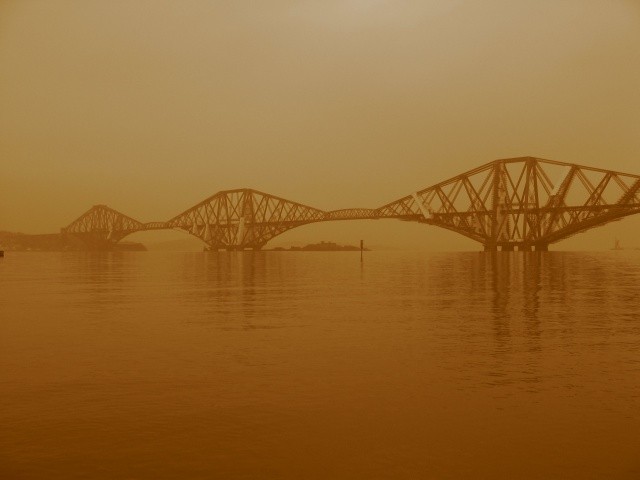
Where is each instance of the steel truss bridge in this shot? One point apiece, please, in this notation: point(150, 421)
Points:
point(518, 203)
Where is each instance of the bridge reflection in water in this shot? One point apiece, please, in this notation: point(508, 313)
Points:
point(521, 203)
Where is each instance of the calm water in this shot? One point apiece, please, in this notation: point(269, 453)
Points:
point(314, 366)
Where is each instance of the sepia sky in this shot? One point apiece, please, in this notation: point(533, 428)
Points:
point(151, 106)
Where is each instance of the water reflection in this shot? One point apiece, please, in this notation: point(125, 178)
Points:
point(231, 286)
point(406, 365)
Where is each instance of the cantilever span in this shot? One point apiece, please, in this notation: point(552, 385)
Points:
point(524, 203)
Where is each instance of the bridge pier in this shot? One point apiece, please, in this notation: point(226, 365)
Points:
point(513, 247)
point(538, 247)
point(242, 248)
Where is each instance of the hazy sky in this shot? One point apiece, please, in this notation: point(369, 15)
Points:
point(151, 106)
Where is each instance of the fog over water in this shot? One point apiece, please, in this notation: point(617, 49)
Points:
point(151, 106)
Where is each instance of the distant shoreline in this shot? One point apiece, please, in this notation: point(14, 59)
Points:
point(55, 242)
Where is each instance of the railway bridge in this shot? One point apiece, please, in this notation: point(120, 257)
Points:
point(523, 203)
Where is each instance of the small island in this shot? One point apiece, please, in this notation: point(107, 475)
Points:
point(321, 247)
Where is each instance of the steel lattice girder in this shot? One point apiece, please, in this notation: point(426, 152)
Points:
point(243, 218)
point(102, 222)
point(522, 201)
point(518, 201)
